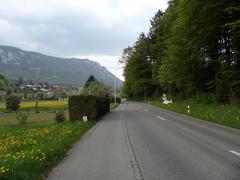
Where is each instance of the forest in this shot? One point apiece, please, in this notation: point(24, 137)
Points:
point(192, 50)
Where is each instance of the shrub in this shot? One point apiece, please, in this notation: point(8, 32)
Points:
point(21, 118)
point(234, 100)
point(12, 103)
point(206, 98)
point(60, 116)
point(91, 106)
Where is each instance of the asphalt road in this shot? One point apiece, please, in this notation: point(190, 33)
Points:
point(140, 141)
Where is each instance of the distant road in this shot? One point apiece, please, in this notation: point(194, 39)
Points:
point(140, 141)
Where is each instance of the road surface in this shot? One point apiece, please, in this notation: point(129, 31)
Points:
point(140, 141)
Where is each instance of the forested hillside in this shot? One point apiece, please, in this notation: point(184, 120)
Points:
point(15, 63)
point(191, 50)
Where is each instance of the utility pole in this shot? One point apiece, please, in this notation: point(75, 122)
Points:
point(115, 86)
point(115, 92)
point(36, 94)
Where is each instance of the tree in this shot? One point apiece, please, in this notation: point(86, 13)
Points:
point(20, 81)
point(137, 70)
point(156, 48)
point(200, 48)
point(90, 79)
point(3, 82)
point(12, 103)
point(191, 48)
point(96, 89)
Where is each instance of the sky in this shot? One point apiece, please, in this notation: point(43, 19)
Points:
point(94, 29)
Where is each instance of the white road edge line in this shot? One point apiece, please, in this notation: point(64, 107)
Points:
point(236, 153)
point(159, 117)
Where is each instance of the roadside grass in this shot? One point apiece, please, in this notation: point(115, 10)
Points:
point(28, 152)
point(228, 115)
point(113, 106)
point(42, 105)
point(45, 116)
point(42, 118)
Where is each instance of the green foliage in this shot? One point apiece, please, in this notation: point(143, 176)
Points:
point(91, 106)
point(94, 88)
point(192, 48)
point(90, 80)
point(60, 116)
point(205, 98)
point(12, 103)
point(21, 118)
point(137, 70)
point(3, 82)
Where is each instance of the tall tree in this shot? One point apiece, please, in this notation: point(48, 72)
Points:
point(191, 48)
point(3, 82)
point(89, 80)
point(156, 45)
point(138, 76)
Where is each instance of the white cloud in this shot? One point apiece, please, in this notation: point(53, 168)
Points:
point(99, 29)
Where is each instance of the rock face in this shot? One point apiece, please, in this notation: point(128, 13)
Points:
point(15, 62)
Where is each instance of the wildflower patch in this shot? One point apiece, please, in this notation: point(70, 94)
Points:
point(27, 152)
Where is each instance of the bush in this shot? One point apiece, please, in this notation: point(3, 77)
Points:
point(12, 103)
point(205, 98)
point(21, 118)
point(91, 106)
point(234, 100)
point(60, 116)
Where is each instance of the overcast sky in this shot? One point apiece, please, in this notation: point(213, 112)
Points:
point(94, 29)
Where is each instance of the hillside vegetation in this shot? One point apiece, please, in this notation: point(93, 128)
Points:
point(15, 63)
point(192, 48)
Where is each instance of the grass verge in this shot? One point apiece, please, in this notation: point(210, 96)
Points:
point(27, 152)
point(228, 115)
point(113, 106)
point(41, 118)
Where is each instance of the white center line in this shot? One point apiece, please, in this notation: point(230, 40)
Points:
point(236, 153)
point(159, 117)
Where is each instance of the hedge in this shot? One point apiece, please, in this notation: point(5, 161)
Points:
point(91, 106)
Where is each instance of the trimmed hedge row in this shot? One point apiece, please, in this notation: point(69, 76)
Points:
point(91, 106)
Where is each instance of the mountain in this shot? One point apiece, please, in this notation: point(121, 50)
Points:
point(15, 62)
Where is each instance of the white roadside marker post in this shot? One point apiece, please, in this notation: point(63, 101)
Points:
point(188, 109)
point(85, 118)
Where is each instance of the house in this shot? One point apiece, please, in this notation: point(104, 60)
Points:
point(3, 95)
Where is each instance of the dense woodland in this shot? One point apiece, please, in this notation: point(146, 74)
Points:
point(191, 50)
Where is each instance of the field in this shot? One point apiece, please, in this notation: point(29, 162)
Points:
point(42, 105)
point(45, 116)
point(27, 152)
point(228, 115)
